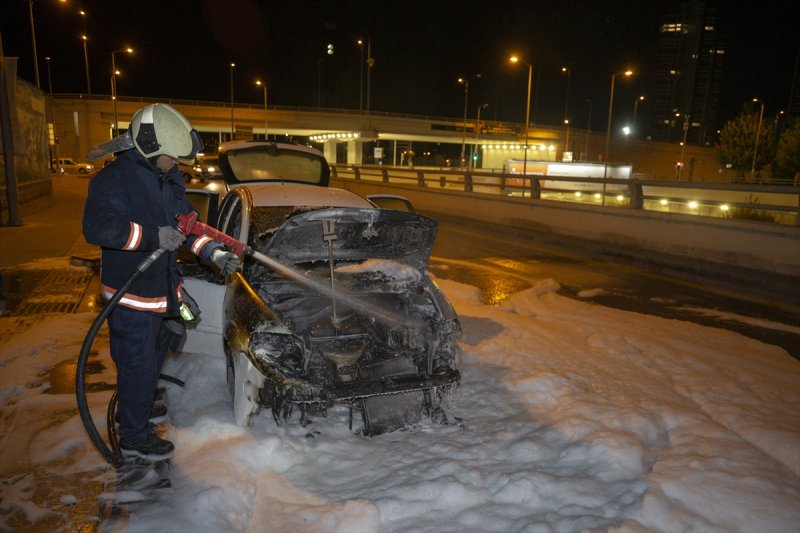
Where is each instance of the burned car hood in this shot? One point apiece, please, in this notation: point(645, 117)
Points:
point(354, 234)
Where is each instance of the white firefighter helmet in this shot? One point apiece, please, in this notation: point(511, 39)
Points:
point(160, 129)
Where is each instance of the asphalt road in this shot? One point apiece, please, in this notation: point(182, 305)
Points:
point(501, 263)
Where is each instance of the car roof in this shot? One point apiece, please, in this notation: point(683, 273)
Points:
point(301, 195)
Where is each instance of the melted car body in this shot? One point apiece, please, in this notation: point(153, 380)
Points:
point(350, 316)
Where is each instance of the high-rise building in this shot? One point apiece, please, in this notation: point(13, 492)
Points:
point(687, 85)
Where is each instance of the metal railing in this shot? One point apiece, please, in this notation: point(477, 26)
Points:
point(779, 204)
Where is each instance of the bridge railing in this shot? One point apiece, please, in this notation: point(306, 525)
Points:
point(779, 204)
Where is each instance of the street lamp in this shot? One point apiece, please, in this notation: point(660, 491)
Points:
point(264, 85)
point(361, 77)
point(758, 133)
point(515, 59)
point(566, 108)
point(232, 65)
point(464, 125)
point(635, 108)
point(114, 73)
point(588, 128)
point(86, 60)
point(608, 131)
point(50, 87)
point(84, 38)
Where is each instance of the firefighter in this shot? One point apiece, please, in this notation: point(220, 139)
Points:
point(131, 211)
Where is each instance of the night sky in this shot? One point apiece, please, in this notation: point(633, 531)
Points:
point(183, 50)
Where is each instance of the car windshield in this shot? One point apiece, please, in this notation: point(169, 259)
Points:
point(275, 164)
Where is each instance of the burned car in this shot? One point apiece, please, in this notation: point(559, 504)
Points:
point(342, 312)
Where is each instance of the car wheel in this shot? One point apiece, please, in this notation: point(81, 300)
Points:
point(82, 171)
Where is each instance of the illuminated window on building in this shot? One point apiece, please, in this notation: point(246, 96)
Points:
point(671, 28)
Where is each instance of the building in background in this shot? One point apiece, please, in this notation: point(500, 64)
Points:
point(688, 81)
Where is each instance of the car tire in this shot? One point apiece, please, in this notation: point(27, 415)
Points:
point(82, 171)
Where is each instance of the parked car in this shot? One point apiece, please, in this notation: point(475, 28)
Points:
point(64, 165)
point(203, 171)
point(349, 316)
point(207, 168)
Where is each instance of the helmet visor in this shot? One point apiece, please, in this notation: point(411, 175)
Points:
point(197, 146)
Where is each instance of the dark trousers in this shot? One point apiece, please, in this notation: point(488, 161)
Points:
point(132, 335)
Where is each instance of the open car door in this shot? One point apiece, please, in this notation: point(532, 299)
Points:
point(204, 334)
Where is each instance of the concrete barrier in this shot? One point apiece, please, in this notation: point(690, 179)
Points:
point(735, 249)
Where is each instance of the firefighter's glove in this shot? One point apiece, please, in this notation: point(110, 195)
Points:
point(170, 238)
point(170, 334)
point(227, 262)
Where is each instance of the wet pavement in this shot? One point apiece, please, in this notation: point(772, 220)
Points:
point(48, 269)
point(503, 263)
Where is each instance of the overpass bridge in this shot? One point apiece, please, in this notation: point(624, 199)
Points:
point(352, 137)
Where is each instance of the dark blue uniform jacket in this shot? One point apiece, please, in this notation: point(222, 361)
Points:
point(128, 200)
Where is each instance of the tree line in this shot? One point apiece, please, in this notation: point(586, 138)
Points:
point(761, 150)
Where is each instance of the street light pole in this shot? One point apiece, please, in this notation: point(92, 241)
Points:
point(588, 128)
point(464, 124)
point(758, 133)
point(515, 59)
point(635, 108)
point(361, 77)
point(114, 85)
point(260, 84)
point(33, 40)
point(566, 109)
point(86, 60)
point(232, 65)
point(610, 111)
point(84, 38)
point(608, 130)
point(50, 87)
